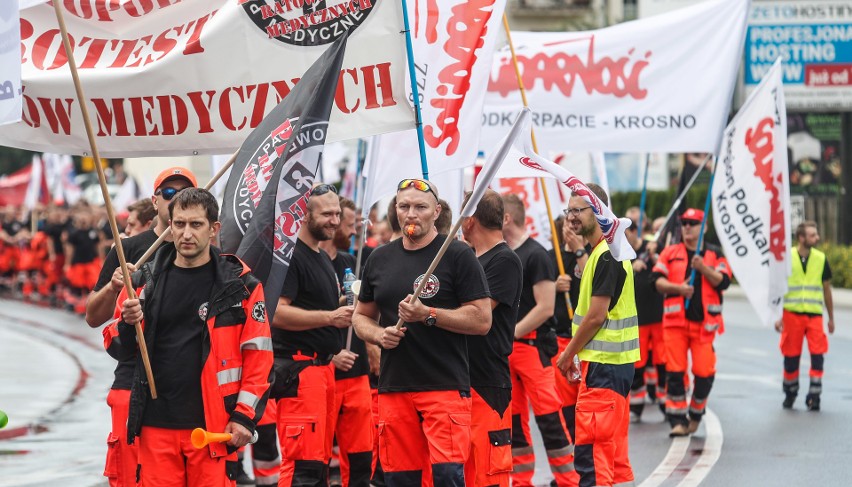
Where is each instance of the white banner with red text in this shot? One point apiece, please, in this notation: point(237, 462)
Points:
point(662, 84)
point(751, 197)
point(196, 76)
point(453, 43)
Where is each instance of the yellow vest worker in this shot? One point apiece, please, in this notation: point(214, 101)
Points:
point(808, 292)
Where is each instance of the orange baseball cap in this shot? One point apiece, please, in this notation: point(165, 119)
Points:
point(175, 173)
point(692, 214)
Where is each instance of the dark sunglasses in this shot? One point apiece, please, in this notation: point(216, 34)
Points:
point(322, 189)
point(168, 193)
point(690, 223)
point(418, 184)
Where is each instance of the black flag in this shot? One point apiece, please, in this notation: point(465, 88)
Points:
point(266, 195)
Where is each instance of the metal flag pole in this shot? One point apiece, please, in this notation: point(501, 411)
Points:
point(415, 92)
point(682, 194)
point(701, 231)
point(557, 251)
point(643, 200)
point(119, 250)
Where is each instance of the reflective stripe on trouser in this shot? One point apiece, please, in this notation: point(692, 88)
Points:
point(122, 458)
point(566, 390)
point(681, 342)
point(490, 460)
point(424, 435)
point(354, 428)
point(265, 458)
point(600, 452)
point(534, 385)
point(303, 428)
point(651, 344)
point(168, 459)
point(798, 327)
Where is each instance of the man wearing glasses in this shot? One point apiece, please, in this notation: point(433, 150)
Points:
point(101, 305)
point(305, 337)
point(690, 329)
point(424, 383)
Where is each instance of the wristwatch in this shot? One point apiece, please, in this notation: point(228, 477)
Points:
point(580, 252)
point(433, 317)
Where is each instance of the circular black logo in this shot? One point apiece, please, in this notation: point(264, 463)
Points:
point(308, 22)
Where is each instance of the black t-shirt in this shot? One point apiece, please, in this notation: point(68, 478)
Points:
point(13, 227)
point(649, 303)
point(176, 354)
point(85, 242)
point(609, 278)
point(826, 271)
point(362, 366)
point(538, 266)
point(54, 231)
point(311, 284)
point(429, 358)
point(695, 311)
point(562, 323)
point(134, 247)
point(489, 354)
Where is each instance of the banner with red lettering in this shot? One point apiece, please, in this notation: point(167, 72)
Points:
point(453, 43)
point(751, 197)
point(10, 65)
point(662, 84)
point(173, 77)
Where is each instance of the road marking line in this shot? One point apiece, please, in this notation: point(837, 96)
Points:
point(709, 455)
point(677, 452)
point(672, 459)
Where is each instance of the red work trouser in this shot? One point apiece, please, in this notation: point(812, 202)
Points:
point(566, 390)
point(122, 458)
point(168, 459)
point(534, 383)
point(84, 275)
point(266, 461)
point(650, 339)
point(490, 460)
point(681, 342)
point(424, 437)
point(304, 428)
point(352, 423)
point(797, 327)
point(603, 420)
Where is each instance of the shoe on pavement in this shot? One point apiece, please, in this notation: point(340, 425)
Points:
point(788, 401)
point(693, 426)
point(812, 402)
point(678, 430)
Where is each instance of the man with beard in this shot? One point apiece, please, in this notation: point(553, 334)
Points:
point(424, 384)
point(305, 337)
point(606, 338)
point(352, 418)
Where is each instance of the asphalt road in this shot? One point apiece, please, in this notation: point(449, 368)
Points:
point(54, 377)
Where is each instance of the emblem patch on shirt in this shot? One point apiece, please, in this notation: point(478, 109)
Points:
point(259, 312)
point(202, 312)
point(433, 285)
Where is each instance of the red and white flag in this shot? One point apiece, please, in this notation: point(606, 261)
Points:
point(197, 76)
point(453, 43)
point(751, 197)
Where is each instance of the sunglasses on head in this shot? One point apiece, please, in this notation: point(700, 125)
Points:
point(322, 189)
point(418, 184)
point(690, 223)
point(168, 193)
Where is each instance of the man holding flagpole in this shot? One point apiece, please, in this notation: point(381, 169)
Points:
point(424, 383)
point(690, 331)
point(606, 339)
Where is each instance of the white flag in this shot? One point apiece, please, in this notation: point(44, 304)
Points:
point(11, 96)
point(35, 185)
point(751, 197)
point(524, 161)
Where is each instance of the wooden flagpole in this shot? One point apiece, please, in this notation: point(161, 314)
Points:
point(557, 251)
point(119, 250)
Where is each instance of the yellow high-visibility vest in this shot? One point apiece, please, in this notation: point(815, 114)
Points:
point(617, 340)
point(804, 288)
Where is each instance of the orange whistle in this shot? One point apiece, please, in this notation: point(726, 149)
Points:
point(410, 230)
